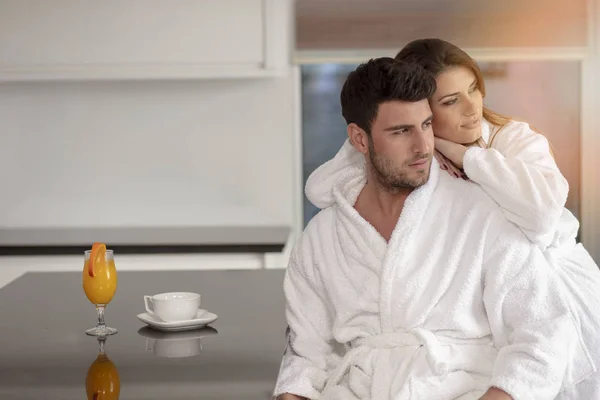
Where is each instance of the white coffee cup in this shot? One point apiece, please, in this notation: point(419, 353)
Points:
point(173, 306)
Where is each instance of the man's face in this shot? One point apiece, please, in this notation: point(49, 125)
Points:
point(401, 144)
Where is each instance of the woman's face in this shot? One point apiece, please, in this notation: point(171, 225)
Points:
point(457, 106)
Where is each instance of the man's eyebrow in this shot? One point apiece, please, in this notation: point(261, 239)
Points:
point(399, 127)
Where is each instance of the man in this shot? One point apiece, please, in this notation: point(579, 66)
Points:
point(410, 284)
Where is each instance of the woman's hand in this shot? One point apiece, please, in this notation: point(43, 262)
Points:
point(447, 165)
point(455, 152)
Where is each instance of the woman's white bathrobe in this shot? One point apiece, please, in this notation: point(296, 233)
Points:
point(520, 174)
point(457, 301)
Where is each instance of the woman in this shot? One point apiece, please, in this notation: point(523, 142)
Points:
point(515, 166)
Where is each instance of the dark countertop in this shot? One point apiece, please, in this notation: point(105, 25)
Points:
point(45, 353)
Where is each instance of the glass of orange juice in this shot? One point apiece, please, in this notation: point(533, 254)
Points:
point(99, 284)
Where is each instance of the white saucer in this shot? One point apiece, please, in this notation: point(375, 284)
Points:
point(202, 319)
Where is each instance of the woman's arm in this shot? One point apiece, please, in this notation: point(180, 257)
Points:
point(520, 174)
point(528, 316)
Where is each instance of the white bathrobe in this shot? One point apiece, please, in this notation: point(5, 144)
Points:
point(459, 300)
point(520, 174)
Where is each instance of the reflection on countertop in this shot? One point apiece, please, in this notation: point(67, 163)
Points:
point(44, 352)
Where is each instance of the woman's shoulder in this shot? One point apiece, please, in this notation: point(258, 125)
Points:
point(516, 135)
point(513, 128)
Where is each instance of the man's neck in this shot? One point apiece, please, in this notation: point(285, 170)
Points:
point(381, 208)
point(386, 201)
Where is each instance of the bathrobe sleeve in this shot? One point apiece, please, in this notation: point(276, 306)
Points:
point(528, 317)
point(304, 368)
point(520, 174)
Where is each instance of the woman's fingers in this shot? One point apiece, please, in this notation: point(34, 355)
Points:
point(447, 165)
point(439, 159)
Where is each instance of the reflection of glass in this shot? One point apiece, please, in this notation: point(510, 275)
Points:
point(102, 381)
point(176, 344)
point(100, 285)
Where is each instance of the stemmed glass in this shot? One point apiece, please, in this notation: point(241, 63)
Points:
point(99, 284)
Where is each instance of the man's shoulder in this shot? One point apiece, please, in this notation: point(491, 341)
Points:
point(311, 243)
point(464, 192)
point(317, 226)
point(465, 198)
point(322, 216)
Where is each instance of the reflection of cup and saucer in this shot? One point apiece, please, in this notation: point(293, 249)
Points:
point(175, 344)
point(175, 311)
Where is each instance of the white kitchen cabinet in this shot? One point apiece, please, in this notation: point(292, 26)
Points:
point(143, 39)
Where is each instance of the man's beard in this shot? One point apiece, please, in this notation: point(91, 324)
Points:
point(393, 178)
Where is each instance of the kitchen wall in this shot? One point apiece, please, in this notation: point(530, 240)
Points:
point(147, 114)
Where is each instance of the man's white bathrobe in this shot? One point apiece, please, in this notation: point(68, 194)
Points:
point(459, 300)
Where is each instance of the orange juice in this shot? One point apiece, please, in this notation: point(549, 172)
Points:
point(102, 381)
point(99, 278)
point(101, 287)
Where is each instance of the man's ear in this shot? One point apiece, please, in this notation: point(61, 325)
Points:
point(358, 138)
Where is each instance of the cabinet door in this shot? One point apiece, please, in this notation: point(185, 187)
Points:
point(70, 39)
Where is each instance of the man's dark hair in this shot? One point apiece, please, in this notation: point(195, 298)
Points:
point(382, 80)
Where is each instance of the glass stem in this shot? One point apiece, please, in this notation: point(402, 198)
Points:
point(101, 341)
point(100, 308)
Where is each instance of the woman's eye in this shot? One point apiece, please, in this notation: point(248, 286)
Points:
point(450, 102)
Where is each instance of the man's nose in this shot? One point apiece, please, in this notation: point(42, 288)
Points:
point(422, 142)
